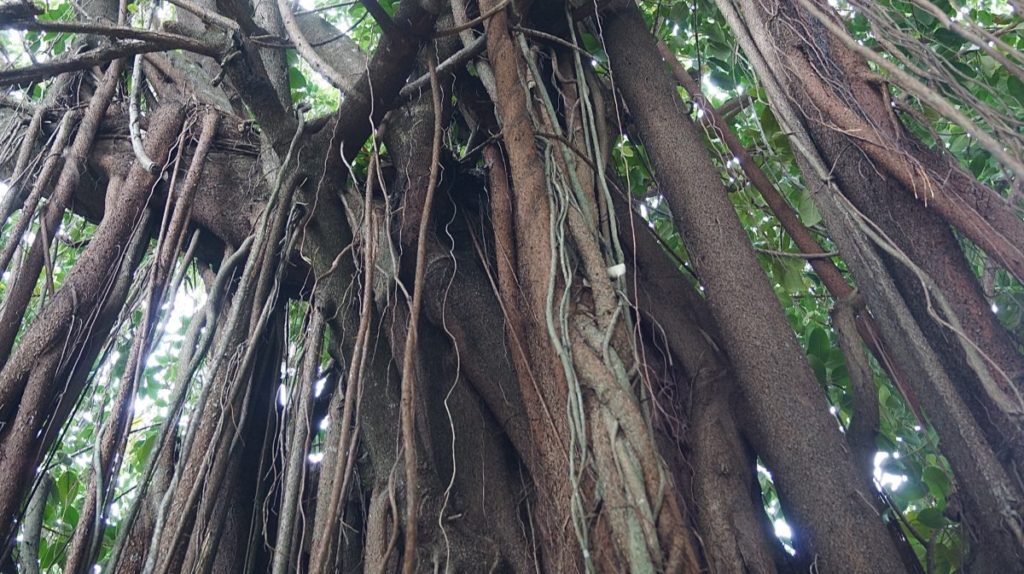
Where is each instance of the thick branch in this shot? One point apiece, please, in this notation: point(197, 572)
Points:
point(117, 32)
point(387, 25)
point(92, 58)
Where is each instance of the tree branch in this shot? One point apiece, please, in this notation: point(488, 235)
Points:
point(471, 23)
point(208, 16)
point(114, 31)
point(387, 25)
point(457, 60)
point(92, 58)
point(305, 49)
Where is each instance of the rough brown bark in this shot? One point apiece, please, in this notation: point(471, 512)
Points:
point(673, 398)
point(526, 269)
point(916, 228)
point(17, 299)
point(817, 480)
point(826, 270)
point(42, 356)
point(734, 532)
point(942, 375)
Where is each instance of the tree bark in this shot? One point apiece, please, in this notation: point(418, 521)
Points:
point(786, 404)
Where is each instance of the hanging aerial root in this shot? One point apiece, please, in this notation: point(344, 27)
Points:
point(977, 211)
point(993, 499)
point(920, 90)
point(320, 555)
point(28, 547)
point(198, 339)
point(410, 353)
point(115, 431)
point(863, 429)
point(254, 302)
point(826, 270)
point(720, 251)
point(525, 272)
point(627, 463)
point(70, 316)
point(53, 160)
point(18, 297)
point(298, 444)
point(133, 119)
point(20, 176)
point(169, 243)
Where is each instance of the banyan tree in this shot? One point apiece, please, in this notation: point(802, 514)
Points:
point(511, 286)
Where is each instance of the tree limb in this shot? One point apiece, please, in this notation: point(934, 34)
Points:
point(114, 31)
point(387, 25)
point(92, 58)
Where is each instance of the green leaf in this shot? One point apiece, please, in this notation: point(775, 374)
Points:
point(978, 164)
point(949, 39)
point(923, 17)
point(910, 491)
point(70, 515)
point(819, 368)
point(932, 518)
point(1015, 87)
point(296, 80)
point(144, 448)
point(793, 280)
point(47, 556)
point(808, 211)
point(818, 344)
point(937, 481)
point(67, 485)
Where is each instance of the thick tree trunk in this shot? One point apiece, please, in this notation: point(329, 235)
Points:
point(735, 533)
point(948, 376)
point(821, 488)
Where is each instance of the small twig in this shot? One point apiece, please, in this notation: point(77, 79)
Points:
point(474, 22)
point(734, 106)
point(457, 60)
point(773, 253)
point(554, 39)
